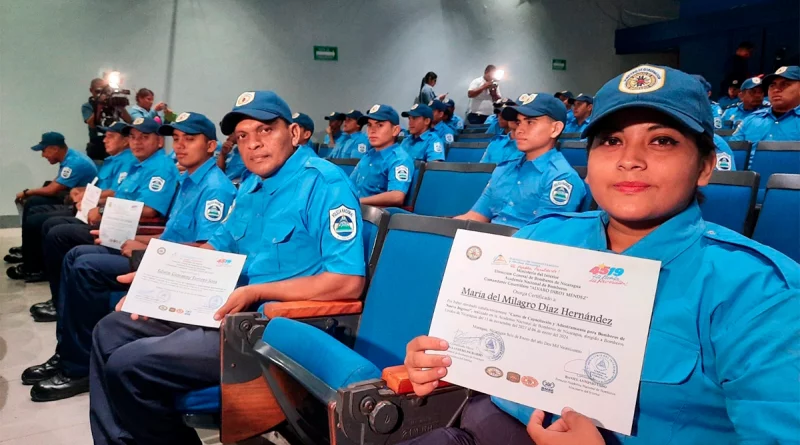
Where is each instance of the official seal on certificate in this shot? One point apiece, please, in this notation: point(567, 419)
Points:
point(601, 368)
point(489, 345)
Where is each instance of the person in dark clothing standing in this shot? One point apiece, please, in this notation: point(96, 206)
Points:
point(736, 68)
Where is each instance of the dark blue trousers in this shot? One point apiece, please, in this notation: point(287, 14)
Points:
point(137, 370)
point(60, 235)
point(88, 280)
point(32, 233)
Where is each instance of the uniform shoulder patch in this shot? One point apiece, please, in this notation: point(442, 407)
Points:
point(214, 210)
point(66, 172)
point(723, 161)
point(343, 224)
point(560, 192)
point(448, 138)
point(642, 79)
point(156, 183)
point(717, 123)
point(362, 148)
point(122, 177)
point(437, 147)
point(401, 173)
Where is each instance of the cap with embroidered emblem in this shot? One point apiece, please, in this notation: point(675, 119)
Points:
point(354, 114)
point(190, 123)
point(49, 139)
point(381, 113)
point(335, 116)
point(535, 105)
point(753, 82)
point(564, 94)
point(437, 105)
point(304, 121)
point(791, 72)
point(419, 110)
point(584, 98)
point(143, 125)
point(116, 127)
point(259, 105)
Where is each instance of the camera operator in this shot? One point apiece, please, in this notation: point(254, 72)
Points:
point(144, 106)
point(104, 107)
point(482, 92)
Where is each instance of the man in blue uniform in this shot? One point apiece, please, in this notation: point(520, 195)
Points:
point(423, 144)
point(383, 176)
point(502, 147)
point(455, 122)
point(752, 96)
point(440, 127)
point(298, 221)
point(582, 112)
point(333, 132)
point(725, 159)
point(716, 110)
point(567, 98)
point(732, 97)
point(75, 170)
point(779, 122)
point(306, 130)
point(229, 160)
point(542, 180)
point(152, 180)
point(354, 143)
point(89, 273)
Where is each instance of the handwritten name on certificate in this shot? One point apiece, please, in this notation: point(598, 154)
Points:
point(182, 283)
point(547, 326)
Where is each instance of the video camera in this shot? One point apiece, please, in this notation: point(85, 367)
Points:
point(108, 101)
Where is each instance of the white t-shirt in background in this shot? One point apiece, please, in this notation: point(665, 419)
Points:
point(482, 103)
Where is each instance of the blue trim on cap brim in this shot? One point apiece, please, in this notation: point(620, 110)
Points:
point(673, 112)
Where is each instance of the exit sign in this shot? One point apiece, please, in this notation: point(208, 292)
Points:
point(327, 53)
point(559, 64)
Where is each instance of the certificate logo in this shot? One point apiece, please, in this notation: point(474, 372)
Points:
point(161, 251)
point(491, 371)
point(601, 368)
point(530, 382)
point(513, 377)
point(179, 311)
point(474, 253)
point(162, 308)
point(548, 386)
point(500, 260)
point(172, 309)
point(607, 274)
point(223, 262)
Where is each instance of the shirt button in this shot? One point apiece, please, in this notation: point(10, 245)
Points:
point(711, 232)
point(519, 182)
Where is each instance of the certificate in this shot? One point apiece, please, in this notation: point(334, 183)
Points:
point(547, 326)
point(182, 283)
point(91, 196)
point(120, 221)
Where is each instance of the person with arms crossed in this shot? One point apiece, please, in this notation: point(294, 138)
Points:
point(383, 176)
point(423, 144)
point(482, 92)
point(298, 221)
point(538, 182)
point(721, 299)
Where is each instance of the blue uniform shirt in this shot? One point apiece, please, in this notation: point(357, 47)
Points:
point(76, 170)
point(716, 111)
point(136, 111)
point(573, 127)
point(725, 159)
point(456, 123)
point(494, 126)
point(152, 181)
point(336, 138)
point(234, 165)
point(726, 101)
point(301, 221)
point(501, 149)
point(202, 201)
point(115, 169)
point(720, 366)
point(307, 149)
point(426, 147)
point(426, 95)
point(390, 169)
point(445, 132)
point(519, 190)
point(762, 125)
point(734, 115)
point(355, 146)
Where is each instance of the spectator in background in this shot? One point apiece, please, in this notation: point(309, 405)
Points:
point(440, 110)
point(502, 147)
point(91, 113)
point(306, 131)
point(354, 143)
point(426, 93)
point(732, 97)
point(333, 132)
point(752, 95)
point(716, 110)
point(483, 91)
point(567, 98)
point(455, 122)
point(736, 68)
point(144, 106)
point(422, 144)
point(581, 111)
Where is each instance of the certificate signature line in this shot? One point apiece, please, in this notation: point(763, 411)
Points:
point(536, 310)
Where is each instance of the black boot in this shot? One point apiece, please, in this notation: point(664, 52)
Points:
point(59, 387)
point(45, 314)
point(41, 372)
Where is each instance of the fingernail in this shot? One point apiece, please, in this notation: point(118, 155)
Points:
point(440, 371)
point(443, 344)
point(567, 410)
point(447, 361)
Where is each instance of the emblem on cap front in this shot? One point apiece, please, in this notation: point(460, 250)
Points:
point(138, 121)
point(374, 108)
point(182, 117)
point(414, 107)
point(528, 99)
point(523, 98)
point(756, 80)
point(351, 111)
point(245, 98)
point(295, 116)
point(642, 79)
point(782, 70)
point(333, 113)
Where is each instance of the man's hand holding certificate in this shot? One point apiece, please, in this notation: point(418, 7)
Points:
point(90, 199)
point(182, 283)
point(547, 326)
point(120, 221)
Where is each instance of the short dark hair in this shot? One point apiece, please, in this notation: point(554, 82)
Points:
point(745, 45)
point(95, 81)
point(489, 68)
point(144, 92)
point(62, 146)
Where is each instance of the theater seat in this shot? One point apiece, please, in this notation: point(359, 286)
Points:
point(772, 157)
point(449, 188)
point(575, 153)
point(730, 199)
point(466, 151)
point(474, 137)
point(347, 165)
point(726, 134)
point(408, 202)
point(569, 136)
point(778, 223)
point(741, 154)
point(324, 151)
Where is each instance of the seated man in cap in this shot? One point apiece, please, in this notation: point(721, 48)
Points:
point(89, 273)
point(732, 97)
point(455, 122)
point(752, 95)
point(229, 160)
point(439, 125)
point(383, 176)
point(716, 110)
point(542, 180)
point(502, 147)
point(423, 144)
point(297, 219)
point(306, 131)
point(779, 122)
point(333, 132)
point(354, 143)
point(567, 98)
point(581, 112)
point(75, 170)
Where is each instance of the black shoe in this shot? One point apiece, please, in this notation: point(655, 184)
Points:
point(41, 372)
point(36, 277)
point(59, 387)
point(12, 258)
point(45, 314)
point(48, 303)
point(16, 272)
point(15, 250)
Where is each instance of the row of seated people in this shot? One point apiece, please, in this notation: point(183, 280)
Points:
point(295, 219)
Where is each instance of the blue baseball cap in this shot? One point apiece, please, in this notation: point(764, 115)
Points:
point(419, 110)
point(787, 72)
point(438, 105)
point(565, 93)
point(502, 103)
point(584, 98)
point(535, 105)
point(751, 83)
point(702, 80)
point(116, 127)
point(670, 91)
point(354, 114)
point(190, 123)
point(380, 113)
point(304, 121)
point(145, 125)
point(450, 103)
point(258, 105)
point(49, 139)
point(335, 116)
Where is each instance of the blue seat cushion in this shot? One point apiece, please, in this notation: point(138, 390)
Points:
point(319, 353)
point(202, 401)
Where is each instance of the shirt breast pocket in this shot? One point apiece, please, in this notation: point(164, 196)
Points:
point(276, 253)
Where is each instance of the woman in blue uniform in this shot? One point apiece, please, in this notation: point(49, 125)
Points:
point(720, 365)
